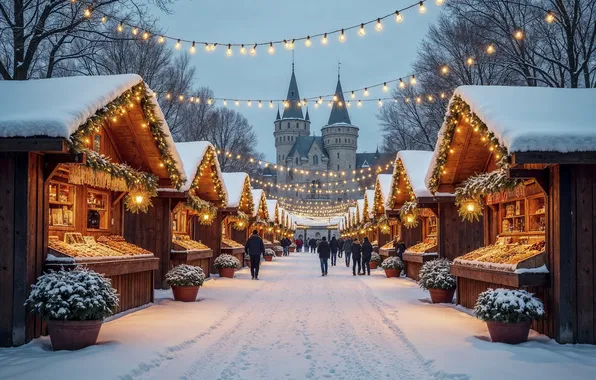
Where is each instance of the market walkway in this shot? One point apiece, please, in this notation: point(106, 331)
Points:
point(295, 324)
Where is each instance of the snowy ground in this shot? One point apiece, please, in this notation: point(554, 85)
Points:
point(295, 324)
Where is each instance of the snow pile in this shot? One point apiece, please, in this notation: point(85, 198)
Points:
point(257, 195)
point(191, 155)
point(416, 164)
point(271, 205)
point(185, 275)
point(79, 294)
point(508, 306)
point(226, 261)
point(56, 107)
point(385, 181)
point(435, 274)
point(234, 183)
point(536, 118)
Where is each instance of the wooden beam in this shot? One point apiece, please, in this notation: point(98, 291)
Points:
point(34, 144)
point(435, 200)
point(53, 161)
point(540, 175)
point(553, 158)
point(118, 198)
point(172, 194)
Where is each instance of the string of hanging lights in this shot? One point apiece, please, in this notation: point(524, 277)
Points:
point(249, 48)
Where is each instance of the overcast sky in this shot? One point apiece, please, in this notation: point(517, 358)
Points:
point(377, 57)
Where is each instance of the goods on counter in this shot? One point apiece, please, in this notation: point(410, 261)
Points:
point(506, 255)
point(118, 243)
point(187, 243)
point(388, 245)
point(265, 241)
point(229, 243)
point(74, 238)
point(427, 244)
point(87, 249)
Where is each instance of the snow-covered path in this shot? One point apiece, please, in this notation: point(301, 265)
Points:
point(295, 324)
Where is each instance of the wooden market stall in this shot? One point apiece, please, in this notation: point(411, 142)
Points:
point(260, 214)
point(236, 215)
point(531, 170)
point(170, 227)
point(385, 216)
point(273, 210)
point(67, 179)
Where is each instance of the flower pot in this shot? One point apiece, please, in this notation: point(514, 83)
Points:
point(278, 254)
point(185, 293)
point(247, 263)
point(392, 273)
point(73, 335)
point(226, 272)
point(268, 258)
point(292, 249)
point(511, 333)
point(374, 265)
point(441, 295)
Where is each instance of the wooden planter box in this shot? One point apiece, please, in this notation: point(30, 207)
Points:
point(414, 262)
point(236, 252)
point(200, 259)
point(131, 277)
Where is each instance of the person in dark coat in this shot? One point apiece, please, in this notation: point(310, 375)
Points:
point(312, 243)
point(340, 247)
point(400, 248)
point(356, 256)
point(334, 245)
point(324, 251)
point(285, 244)
point(254, 248)
point(299, 243)
point(348, 250)
point(367, 250)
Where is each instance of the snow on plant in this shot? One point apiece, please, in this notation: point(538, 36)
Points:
point(79, 295)
point(393, 263)
point(375, 258)
point(278, 248)
point(226, 261)
point(508, 306)
point(435, 274)
point(185, 275)
point(269, 252)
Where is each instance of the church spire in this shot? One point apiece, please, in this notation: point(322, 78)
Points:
point(339, 112)
point(293, 110)
point(307, 117)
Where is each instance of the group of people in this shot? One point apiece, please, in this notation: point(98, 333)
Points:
point(359, 253)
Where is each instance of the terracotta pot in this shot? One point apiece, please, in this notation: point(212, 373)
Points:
point(247, 263)
point(441, 296)
point(292, 249)
point(392, 273)
point(73, 335)
point(374, 265)
point(268, 258)
point(185, 293)
point(511, 333)
point(226, 272)
point(278, 254)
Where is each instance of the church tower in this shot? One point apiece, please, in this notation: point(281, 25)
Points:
point(291, 124)
point(340, 136)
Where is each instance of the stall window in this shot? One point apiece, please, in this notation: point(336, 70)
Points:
point(98, 205)
point(180, 222)
point(62, 205)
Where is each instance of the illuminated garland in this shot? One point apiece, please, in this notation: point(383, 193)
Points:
point(137, 201)
point(409, 214)
point(204, 209)
point(209, 160)
point(239, 221)
point(458, 108)
point(378, 203)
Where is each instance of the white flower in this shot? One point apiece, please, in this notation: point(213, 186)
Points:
point(185, 275)
point(226, 261)
point(436, 274)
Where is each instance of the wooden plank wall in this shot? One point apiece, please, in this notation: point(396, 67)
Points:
point(153, 232)
point(22, 252)
point(238, 236)
point(412, 270)
point(132, 289)
point(412, 236)
point(457, 237)
point(210, 235)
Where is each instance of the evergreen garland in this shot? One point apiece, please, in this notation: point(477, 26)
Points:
point(204, 209)
point(409, 214)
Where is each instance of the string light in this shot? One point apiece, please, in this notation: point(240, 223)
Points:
point(379, 25)
point(439, 2)
point(422, 8)
point(398, 17)
point(413, 80)
point(161, 40)
point(490, 49)
point(120, 28)
point(253, 51)
point(307, 43)
point(365, 91)
point(518, 35)
point(550, 17)
point(271, 48)
point(470, 61)
point(362, 32)
point(342, 36)
point(324, 39)
point(242, 50)
point(445, 70)
point(385, 88)
point(87, 13)
point(178, 45)
point(193, 49)
point(135, 31)
point(146, 36)
point(401, 83)
point(229, 51)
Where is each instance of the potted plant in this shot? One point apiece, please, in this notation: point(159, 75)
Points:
point(247, 260)
point(268, 255)
point(226, 265)
point(74, 304)
point(292, 247)
point(393, 266)
point(375, 260)
point(278, 250)
point(508, 313)
point(185, 281)
point(435, 276)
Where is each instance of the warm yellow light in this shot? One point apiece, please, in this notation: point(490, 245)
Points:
point(229, 51)
point(550, 17)
point(413, 80)
point(470, 61)
point(444, 69)
point(359, 103)
point(139, 199)
point(471, 207)
point(518, 35)
point(120, 28)
point(237, 103)
point(398, 17)
point(342, 36)
point(192, 49)
point(401, 83)
point(324, 39)
point(178, 45)
point(490, 49)
point(422, 8)
point(161, 40)
point(362, 31)
point(104, 19)
point(242, 50)
point(380, 103)
point(87, 13)
point(308, 42)
point(385, 88)
point(410, 218)
point(135, 31)
point(145, 35)
point(253, 51)
point(379, 25)
point(365, 91)
point(271, 48)
point(205, 216)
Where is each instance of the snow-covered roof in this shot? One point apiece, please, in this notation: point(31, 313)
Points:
point(234, 183)
point(541, 119)
point(370, 195)
point(385, 180)
point(316, 222)
point(416, 164)
point(257, 195)
point(271, 204)
point(361, 211)
point(191, 155)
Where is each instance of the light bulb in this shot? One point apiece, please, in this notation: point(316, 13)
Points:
point(324, 39)
point(139, 199)
point(422, 8)
point(359, 103)
point(271, 48)
point(401, 83)
point(470, 61)
point(413, 80)
point(270, 104)
point(365, 91)
point(229, 51)
point(178, 45)
point(471, 207)
point(104, 19)
point(444, 70)
point(161, 40)
point(518, 35)
point(87, 13)
point(120, 28)
point(439, 2)
point(237, 103)
point(379, 25)
point(342, 36)
point(550, 17)
point(348, 104)
point(135, 31)
point(380, 103)
point(225, 102)
point(242, 49)
point(253, 51)
point(193, 49)
point(362, 32)
point(398, 17)
point(335, 98)
point(418, 99)
point(307, 43)
point(490, 49)
point(205, 216)
point(209, 101)
point(146, 35)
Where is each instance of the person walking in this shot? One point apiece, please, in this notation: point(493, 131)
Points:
point(312, 243)
point(324, 249)
point(334, 245)
point(285, 244)
point(348, 250)
point(367, 250)
point(356, 256)
point(255, 248)
point(340, 247)
point(400, 248)
point(299, 243)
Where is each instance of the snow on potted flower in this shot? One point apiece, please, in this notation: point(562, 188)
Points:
point(393, 266)
point(435, 276)
point(508, 313)
point(185, 281)
point(292, 247)
point(226, 265)
point(74, 304)
point(247, 260)
point(375, 259)
point(268, 255)
point(279, 250)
